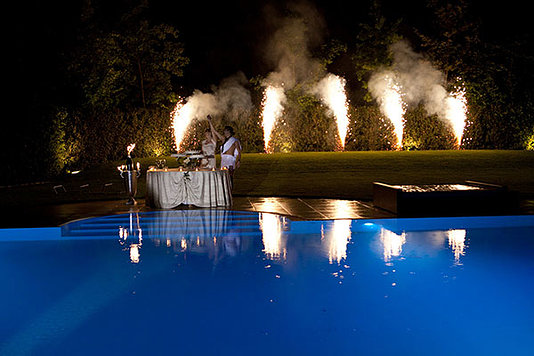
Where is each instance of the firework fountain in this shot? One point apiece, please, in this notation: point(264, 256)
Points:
point(230, 98)
point(181, 118)
point(412, 80)
point(456, 113)
point(386, 89)
point(331, 90)
point(273, 101)
point(197, 105)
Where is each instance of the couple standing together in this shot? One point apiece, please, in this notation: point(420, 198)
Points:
point(230, 150)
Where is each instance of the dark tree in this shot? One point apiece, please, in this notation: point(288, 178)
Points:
point(133, 64)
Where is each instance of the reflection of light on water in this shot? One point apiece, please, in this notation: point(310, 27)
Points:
point(392, 243)
point(337, 239)
point(271, 227)
point(124, 233)
point(457, 243)
point(134, 253)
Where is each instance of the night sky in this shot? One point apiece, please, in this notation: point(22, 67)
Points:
point(220, 37)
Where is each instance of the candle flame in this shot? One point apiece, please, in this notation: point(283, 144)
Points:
point(130, 148)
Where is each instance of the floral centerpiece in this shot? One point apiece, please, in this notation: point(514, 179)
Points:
point(189, 160)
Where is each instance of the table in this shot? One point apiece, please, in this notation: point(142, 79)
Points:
point(168, 188)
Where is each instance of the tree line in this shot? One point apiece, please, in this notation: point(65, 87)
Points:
point(119, 79)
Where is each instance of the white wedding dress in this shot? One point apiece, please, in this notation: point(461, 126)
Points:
point(208, 150)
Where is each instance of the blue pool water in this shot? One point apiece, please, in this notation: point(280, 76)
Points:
point(215, 282)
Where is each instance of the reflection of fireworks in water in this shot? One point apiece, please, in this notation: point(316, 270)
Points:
point(456, 113)
point(331, 89)
point(273, 100)
point(392, 243)
point(337, 239)
point(271, 227)
point(457, 243)
point(124, 233)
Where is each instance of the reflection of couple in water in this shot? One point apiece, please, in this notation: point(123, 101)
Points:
point(230, 149)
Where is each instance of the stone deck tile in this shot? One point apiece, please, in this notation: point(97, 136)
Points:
point(295, 208)
point(316, 209)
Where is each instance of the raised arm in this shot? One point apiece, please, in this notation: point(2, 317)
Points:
point(216, 135)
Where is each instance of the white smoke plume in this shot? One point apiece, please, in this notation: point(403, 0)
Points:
point(289, 48)
point(289, 52)
point(230, 98)
point(418, 81)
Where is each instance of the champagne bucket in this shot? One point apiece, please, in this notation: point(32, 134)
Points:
point(130, 175)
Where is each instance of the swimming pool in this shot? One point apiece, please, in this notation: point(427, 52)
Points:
point(226, 282)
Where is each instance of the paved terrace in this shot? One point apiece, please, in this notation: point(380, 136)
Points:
point(295, 208)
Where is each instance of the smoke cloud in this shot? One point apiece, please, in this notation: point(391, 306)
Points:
point(290, 52)
point(289, 47)
point(420, 81)
point(417, 80)
point(230, 98)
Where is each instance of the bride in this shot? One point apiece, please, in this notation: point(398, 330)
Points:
point(208, 150)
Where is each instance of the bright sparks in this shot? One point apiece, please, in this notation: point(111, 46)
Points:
point(331, 89)
point(387, 91)
point(456, 113)
point(273, 101)
point(394, 108)
point(182, 115)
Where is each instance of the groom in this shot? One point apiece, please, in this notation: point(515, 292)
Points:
point(230, 150)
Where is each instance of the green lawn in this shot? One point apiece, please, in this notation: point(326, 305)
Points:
point(318, 174)
point(350, 174)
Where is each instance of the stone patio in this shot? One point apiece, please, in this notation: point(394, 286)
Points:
point(295, 208)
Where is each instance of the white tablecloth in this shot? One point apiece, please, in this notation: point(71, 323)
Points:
point(207, 189)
